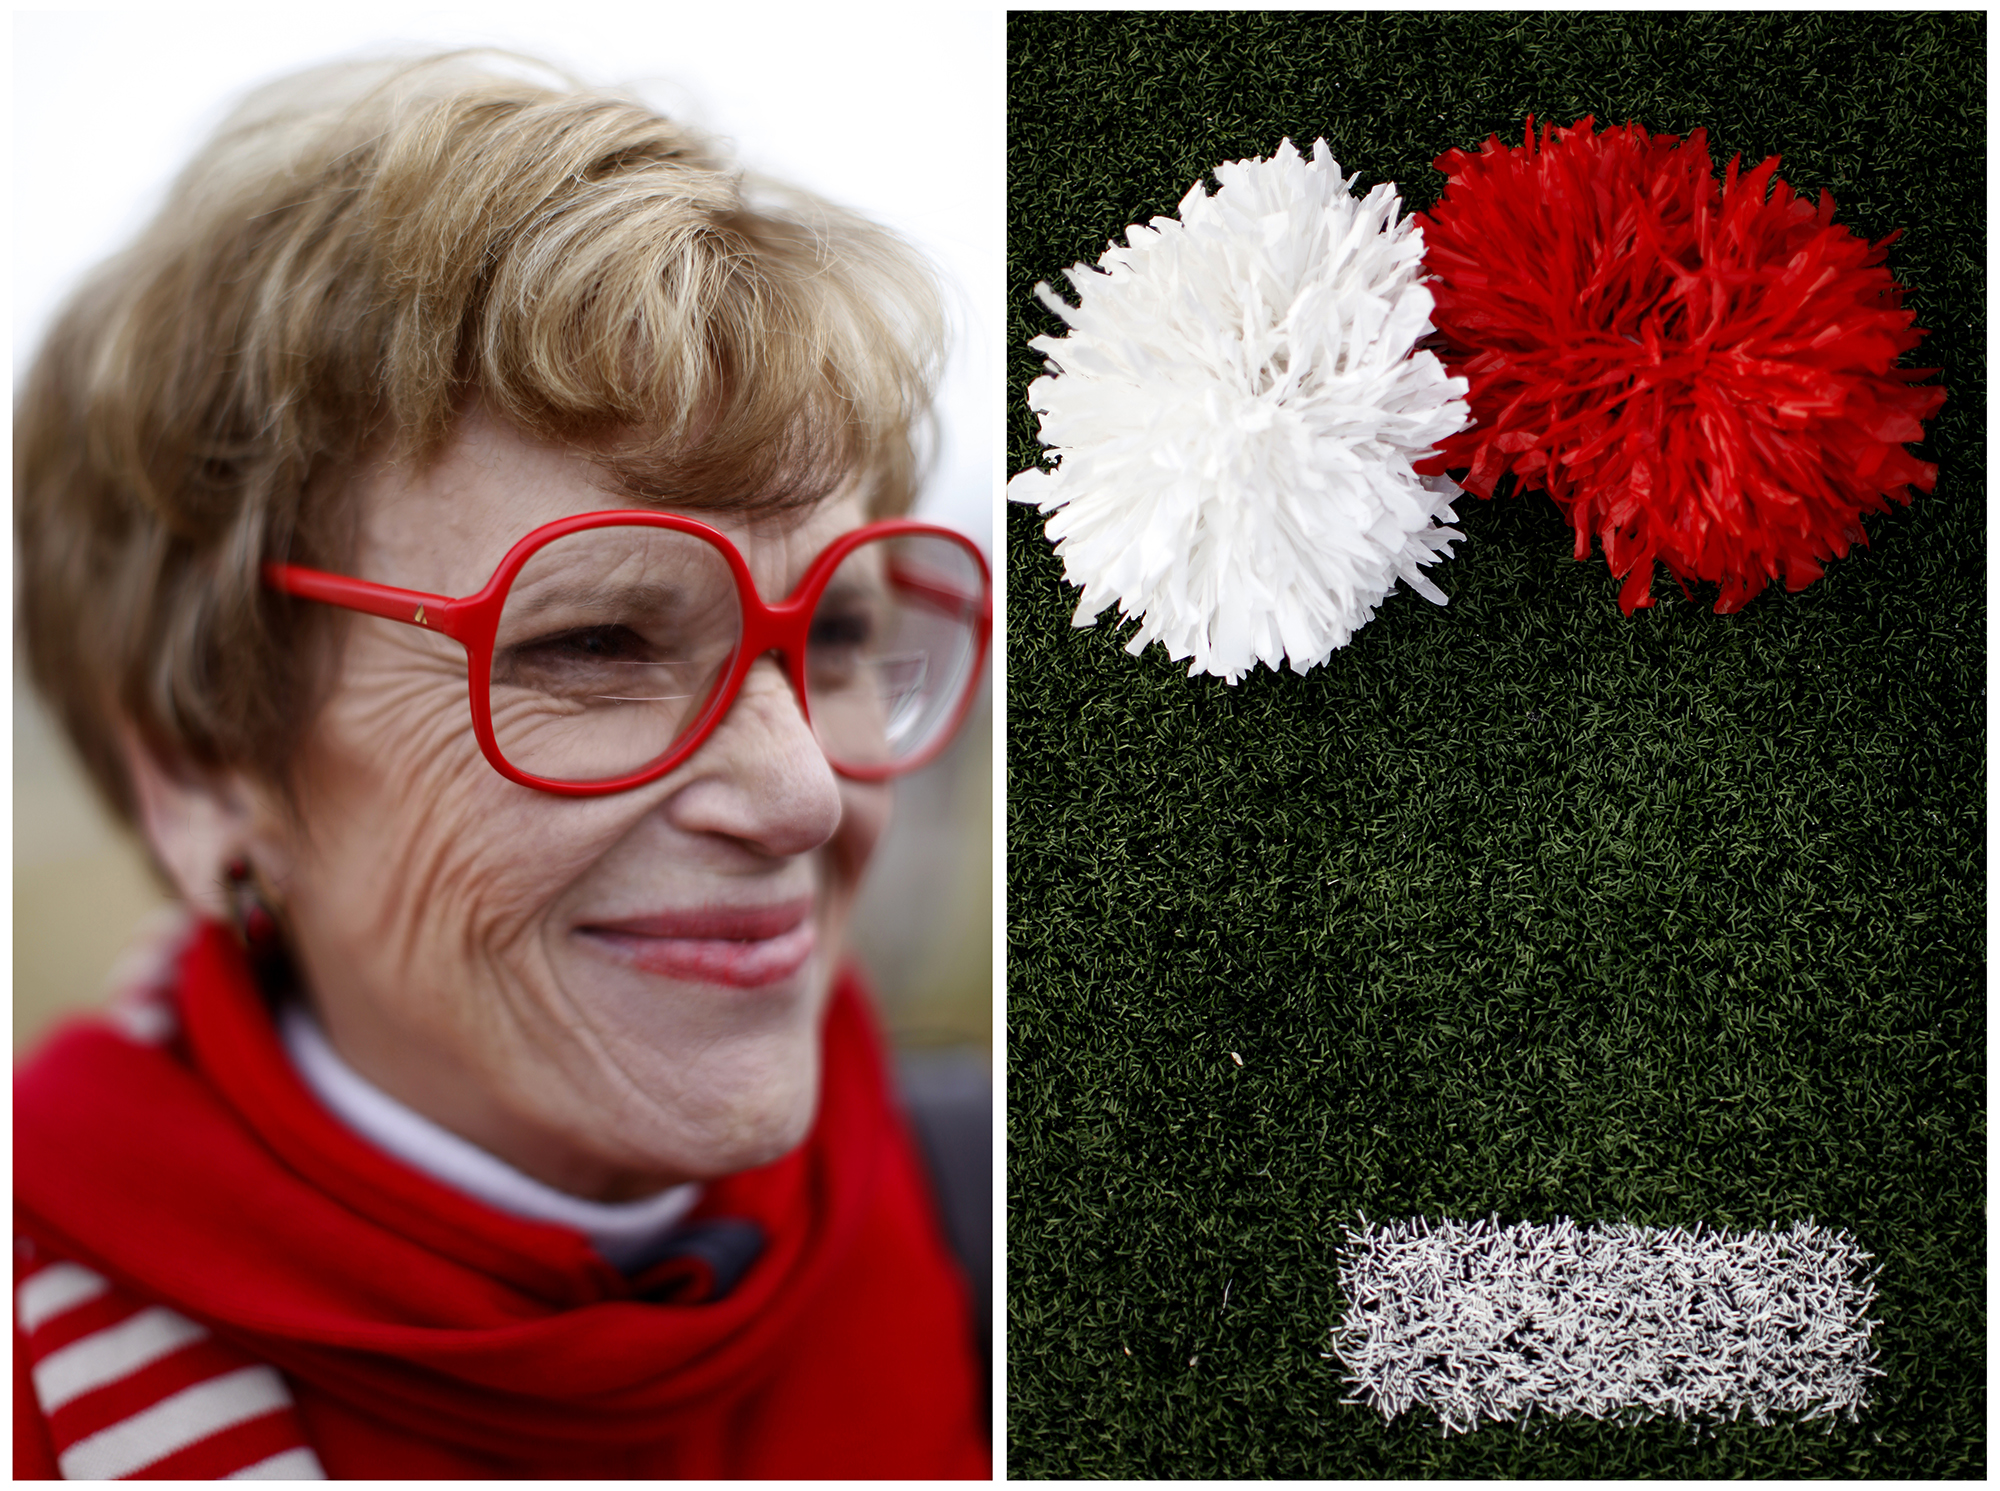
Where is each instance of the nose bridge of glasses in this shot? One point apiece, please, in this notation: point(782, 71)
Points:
point(777, 626)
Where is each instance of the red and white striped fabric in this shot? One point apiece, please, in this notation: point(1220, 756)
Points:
point(134, 1391)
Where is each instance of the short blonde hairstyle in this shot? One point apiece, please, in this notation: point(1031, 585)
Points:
point(360, 252)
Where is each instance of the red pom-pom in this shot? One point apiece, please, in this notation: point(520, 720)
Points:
point(1698, 374)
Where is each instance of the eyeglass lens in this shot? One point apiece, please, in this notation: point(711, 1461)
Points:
point(610, 643)
point(893, 648)
point(613, 641)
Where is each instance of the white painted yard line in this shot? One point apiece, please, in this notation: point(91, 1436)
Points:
point(1482, 1321)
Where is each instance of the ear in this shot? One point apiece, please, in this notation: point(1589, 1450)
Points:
point(197, 823)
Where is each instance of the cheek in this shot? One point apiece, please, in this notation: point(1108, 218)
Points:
point(865, 810)
point(416, 847)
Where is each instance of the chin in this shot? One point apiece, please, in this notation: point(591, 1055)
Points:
point(718, 1078)
point(757, 1099)
point(759, 1128)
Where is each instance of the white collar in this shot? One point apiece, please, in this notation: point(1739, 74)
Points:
point(624, 1232)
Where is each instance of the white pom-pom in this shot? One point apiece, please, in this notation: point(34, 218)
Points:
point(1234, 412)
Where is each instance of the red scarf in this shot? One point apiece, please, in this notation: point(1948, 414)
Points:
point(425, 1334)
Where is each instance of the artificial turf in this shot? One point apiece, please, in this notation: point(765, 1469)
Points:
point(1519, 906)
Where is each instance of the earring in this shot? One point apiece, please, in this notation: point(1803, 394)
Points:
point(256, 926)
point(248, 910)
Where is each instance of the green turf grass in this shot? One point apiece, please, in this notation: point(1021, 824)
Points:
point(1518, 906)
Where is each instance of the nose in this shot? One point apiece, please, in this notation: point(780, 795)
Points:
point(760, 778)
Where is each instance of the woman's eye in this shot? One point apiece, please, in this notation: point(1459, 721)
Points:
point(583, 661)
point(847, 629)
point(592, 642)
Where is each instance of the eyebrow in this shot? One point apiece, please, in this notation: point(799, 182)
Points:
point(539, 598)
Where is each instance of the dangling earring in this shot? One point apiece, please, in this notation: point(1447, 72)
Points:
point(248, 910)
point(256, 926)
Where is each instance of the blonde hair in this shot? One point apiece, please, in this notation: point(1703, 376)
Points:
point(359, 252)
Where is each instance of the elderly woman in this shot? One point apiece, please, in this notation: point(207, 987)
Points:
point(460, 535)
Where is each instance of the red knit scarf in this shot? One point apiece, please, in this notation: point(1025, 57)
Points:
point(425, 1334)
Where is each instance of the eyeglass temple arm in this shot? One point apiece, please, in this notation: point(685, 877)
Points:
point(412, 607)
point(939, 593)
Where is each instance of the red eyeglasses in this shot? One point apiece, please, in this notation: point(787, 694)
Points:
point(608, 646)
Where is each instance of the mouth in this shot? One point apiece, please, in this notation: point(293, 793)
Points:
point(739, 947)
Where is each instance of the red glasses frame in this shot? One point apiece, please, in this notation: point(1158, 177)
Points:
point(473, 622)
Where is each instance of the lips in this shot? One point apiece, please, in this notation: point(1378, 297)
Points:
point(743, 947)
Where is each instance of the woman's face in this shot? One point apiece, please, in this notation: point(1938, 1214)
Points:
point(612, 993)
